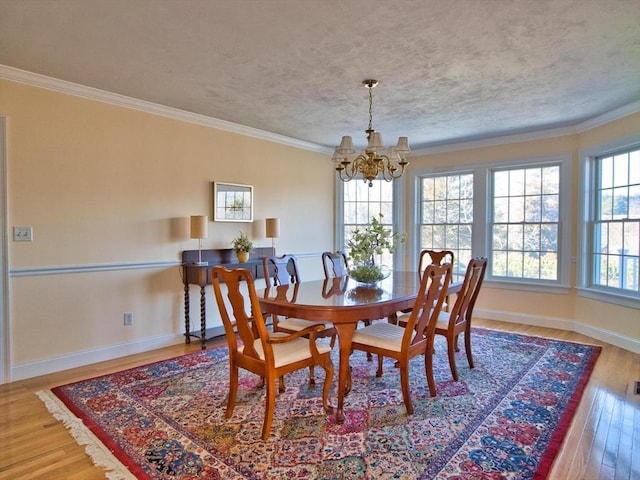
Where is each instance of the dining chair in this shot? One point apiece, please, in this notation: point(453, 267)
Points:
point(334, 264)
point(404, 343)
point(438, 257)
point(435, 256)
point(267, 354)
point(281, 271)
point(458, 320)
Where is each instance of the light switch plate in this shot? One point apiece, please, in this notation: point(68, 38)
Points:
point(22, 234)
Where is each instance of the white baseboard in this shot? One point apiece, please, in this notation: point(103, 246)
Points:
point(87, 357)
point(615, 339)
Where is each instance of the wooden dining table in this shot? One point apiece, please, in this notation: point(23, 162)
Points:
point(344, 302)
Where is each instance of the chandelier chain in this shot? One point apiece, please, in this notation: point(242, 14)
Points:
point(370, 111)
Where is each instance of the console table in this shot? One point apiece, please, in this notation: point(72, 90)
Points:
point(200, 275)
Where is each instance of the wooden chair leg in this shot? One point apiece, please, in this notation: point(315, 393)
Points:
point(467, 347)
point(233, 390)
point(451, 348)
point(269, 408)
point(428, 368)
point(281, 385)
point(312, 376)
point(404, 383)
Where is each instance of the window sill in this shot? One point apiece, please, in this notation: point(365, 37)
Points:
point(617, 299)
point(527, 287)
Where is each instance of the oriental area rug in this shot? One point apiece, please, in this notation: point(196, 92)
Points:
point(504, 419)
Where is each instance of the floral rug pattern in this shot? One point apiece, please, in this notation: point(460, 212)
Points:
point(504, 419)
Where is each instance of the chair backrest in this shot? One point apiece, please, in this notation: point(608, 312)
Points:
point(334, 264)
point(249, 326)
point(280, 270)
point(466, 299)
point(435, 256)
point(424, 315)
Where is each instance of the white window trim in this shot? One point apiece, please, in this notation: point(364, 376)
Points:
point(482, 211)
point(586, 165)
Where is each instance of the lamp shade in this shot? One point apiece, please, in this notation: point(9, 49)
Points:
point(346, 146)
point(199, 226)
point(375, 142)
point(272, 227)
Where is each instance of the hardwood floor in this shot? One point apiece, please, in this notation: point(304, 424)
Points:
point(599, 445)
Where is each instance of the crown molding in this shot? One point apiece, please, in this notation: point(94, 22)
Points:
point(631, 108)
point(70, 88)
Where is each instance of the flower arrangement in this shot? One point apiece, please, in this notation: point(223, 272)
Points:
point(242, 244)
point(365, 243)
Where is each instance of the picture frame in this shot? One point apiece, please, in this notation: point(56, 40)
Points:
point(232, 202)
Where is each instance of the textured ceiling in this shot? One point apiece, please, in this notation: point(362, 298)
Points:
point(449, 71)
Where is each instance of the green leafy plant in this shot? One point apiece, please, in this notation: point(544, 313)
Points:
point(242, 243)
point(365, 244)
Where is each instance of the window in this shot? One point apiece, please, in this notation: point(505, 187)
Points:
point(446, 216)
point(360, 203)
point(525, 222)
point(517, 213)
point(614, 226)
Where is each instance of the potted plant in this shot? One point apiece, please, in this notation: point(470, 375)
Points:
point(365, 244)
point(242, 246)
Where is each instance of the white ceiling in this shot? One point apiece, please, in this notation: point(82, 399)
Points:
point(449, 70)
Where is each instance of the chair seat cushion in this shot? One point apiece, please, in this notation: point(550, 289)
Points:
point(290, 352)
point(443, 321)
point(382, 335)
point(297, 324)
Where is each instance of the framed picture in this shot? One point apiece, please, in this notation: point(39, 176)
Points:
point(232, 202)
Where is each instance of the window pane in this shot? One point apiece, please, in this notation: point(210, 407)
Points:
point(551, 180)
point(533, 209)
point(514, 237)
point(533, 185)
point(516, 209)
point(501, 210)
point(550, 208)
point(516, 182)
point(427, 212)
point(514, 264)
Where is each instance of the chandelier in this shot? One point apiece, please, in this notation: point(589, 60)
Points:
point(371, 162)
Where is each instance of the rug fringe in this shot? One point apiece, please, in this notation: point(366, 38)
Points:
point(100, 455)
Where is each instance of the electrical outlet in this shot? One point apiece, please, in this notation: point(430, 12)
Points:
point(128, 319)
point(22, 234)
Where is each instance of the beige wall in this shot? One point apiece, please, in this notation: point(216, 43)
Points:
point(587, 315)
point(106, 185)
point(102, 184)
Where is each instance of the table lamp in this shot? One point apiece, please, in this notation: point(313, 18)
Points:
point(199, 230)
point(273, 231)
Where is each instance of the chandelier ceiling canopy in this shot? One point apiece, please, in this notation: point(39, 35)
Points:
point(372, 162)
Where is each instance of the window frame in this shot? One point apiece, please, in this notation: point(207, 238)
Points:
point(587, 197)
point(482, 214)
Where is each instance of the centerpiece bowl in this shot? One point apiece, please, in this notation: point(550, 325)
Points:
point(366, 274)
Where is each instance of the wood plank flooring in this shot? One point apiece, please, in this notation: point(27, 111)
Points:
point(602, 443)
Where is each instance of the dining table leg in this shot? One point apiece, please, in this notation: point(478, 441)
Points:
point(345, 336)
